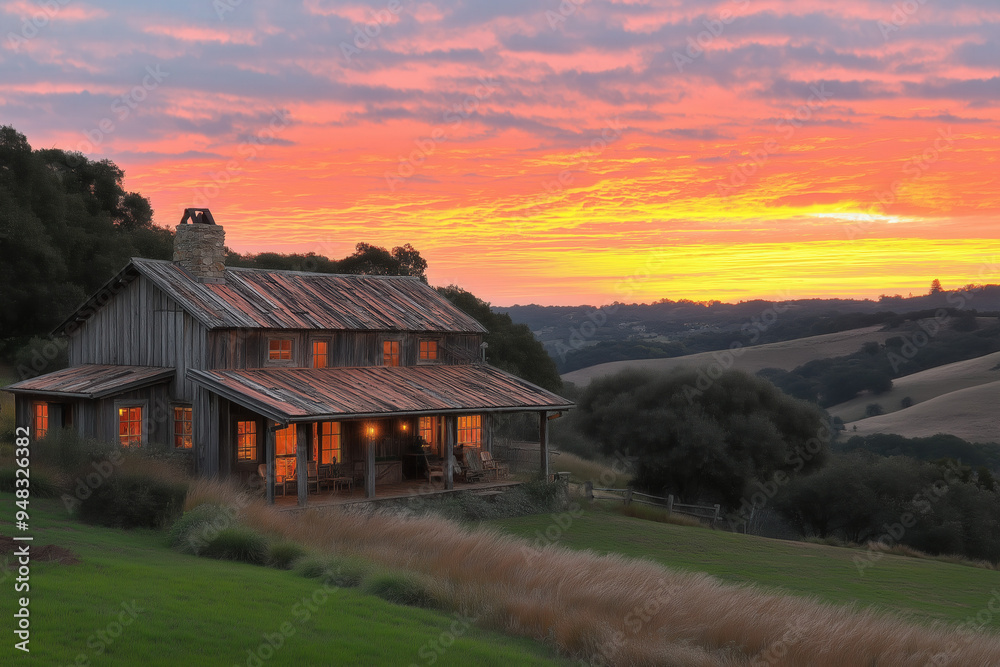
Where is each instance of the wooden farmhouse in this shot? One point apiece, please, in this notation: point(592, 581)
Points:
point(280, 377)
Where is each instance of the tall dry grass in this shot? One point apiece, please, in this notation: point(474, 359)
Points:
point(611, 609)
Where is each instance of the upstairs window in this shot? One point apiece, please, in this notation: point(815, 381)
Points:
point(183, 431)
point(40, 419)
point(390, 353)
point(130, 426)
point(246, 441)
point(321, 356)
point(279, 349)
point(428, 350)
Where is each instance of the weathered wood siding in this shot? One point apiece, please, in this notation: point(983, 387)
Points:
point(248, 348)
point(142, 326)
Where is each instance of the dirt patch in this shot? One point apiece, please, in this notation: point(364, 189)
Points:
point(48, 552)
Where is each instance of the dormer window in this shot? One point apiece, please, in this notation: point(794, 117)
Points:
point(279, 349)
point(390, 353)
point(321, 354)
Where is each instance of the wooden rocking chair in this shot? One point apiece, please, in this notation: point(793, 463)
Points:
point(492, 466)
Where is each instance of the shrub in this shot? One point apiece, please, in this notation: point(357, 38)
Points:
point(238, 543)
point(874, 410)
point(906, 402)
point(400, 588)
point(133, 500)
point(192, 531)
point(283, 554)
point(337, 571)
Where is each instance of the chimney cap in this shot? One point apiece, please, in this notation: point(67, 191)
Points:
point(200, 216)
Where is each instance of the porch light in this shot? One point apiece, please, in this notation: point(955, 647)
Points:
point(405, 427)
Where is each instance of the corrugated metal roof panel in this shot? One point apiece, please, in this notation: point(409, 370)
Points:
point(257, 298)
point(306, 394)
point(92, 380)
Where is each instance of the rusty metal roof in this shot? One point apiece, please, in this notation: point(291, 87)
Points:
point(92, 381)
point(271, 299)
point(311, 394)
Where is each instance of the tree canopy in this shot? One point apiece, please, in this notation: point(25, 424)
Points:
point(511, 347)
point(700, 438)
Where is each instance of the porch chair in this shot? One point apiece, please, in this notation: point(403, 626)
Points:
point(325, 474)
point(279, 483)
point(498, 469)
point(312, 476)
point(434, 469)
point(473, 466)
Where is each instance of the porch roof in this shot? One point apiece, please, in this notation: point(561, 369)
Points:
point(92, 381)
point(315, 394)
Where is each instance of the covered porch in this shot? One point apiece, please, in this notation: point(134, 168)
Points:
point(339, 435)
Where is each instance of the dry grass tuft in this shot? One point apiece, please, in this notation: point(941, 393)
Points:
point(909, 552)
point(610, 609)
point(648, 513)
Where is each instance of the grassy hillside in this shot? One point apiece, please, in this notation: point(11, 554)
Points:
point(197, 611)
point(968, 413)
point(925, 385)
point(785, 355)
point(921, 590)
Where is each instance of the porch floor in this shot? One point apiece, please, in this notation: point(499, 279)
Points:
point(401, 490)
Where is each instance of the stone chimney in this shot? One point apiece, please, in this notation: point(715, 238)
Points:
point(199, 246)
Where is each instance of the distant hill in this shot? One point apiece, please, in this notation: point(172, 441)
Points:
point(785, 355)
point(970, 414)
point(925, 385)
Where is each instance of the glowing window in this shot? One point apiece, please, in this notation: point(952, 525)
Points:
point(428, 350)
point(326, 435)
point(320, 354)
point(428, 429)
point(390, 353)
point(470, 430)
point(183, 431)
point(246, 441)
point(284, 441)
point(130, 426)
point(279, 349)
point(40, 419)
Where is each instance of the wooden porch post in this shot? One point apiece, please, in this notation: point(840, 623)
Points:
point(301, 465)
point(269, 427)
point(449, 451)
point(369, 464)
point(488, 436)
point(543, 443)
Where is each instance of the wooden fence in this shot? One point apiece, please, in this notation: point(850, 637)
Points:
point(707, 512)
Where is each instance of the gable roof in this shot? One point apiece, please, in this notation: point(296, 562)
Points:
point(310, 394)
point(272, 299)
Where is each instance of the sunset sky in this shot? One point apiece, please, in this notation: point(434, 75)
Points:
point(544, 152)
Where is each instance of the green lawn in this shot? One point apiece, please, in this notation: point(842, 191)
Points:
point(923, 589)
point(197, 611)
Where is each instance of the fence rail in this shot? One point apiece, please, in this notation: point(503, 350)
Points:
point(629, 496)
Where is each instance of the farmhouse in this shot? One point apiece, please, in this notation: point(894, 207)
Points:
point(287, 378)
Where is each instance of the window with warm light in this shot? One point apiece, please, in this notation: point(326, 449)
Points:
point(183, 431)
point(390, 353)
point(470, 430)
point(40, 419)
point(321, 357)
point(130, 426)
point(279, 349)
point(284, 441)
point(326, 435)
point(427, 427)
point(428, 350)
point(246, 441)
